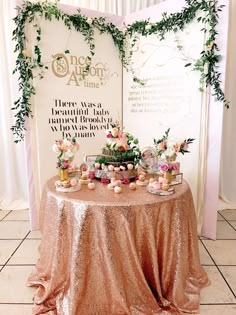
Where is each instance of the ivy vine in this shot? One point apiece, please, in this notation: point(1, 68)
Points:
point(29, 66)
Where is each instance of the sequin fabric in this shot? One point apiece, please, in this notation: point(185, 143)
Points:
point(103, 253)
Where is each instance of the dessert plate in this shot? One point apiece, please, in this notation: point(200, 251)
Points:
point(160, 192)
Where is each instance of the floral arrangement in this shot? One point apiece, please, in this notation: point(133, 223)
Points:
point(171, 147)
point(66, 150)
point(120, 146)
point(118, 140)
point(115, 131)
point(168, 167)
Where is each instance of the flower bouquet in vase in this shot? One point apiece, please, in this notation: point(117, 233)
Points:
point(168, 148)
point(66, 150)
point(167, 169)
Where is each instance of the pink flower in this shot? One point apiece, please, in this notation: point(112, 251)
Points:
point(115, 132)
point(176, 147)
point(184, 145)
point(122, 143)
point(164, 167)
point(174, 167)
point(162, 146)
point(126, 181)
point(91, 174)
point(109, 135)
point(64, 165)
point(105, 180)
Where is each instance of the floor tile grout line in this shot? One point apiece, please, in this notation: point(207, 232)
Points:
point(231, 224)
point(15, 220)
point(226, 218)
point(220, 215)
point(228, 221)
point(218, 265)
point(16, 303)
point(220, 271)
point(218, 239)
point(13, 239)
point(22, 240)
point(18, 239)
point(217, 303)
point(20, 265)
point(6, 215)
point(214, 263)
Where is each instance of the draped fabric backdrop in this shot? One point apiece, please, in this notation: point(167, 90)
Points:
point(13, 193)
point(228, 154)
point(13, 188)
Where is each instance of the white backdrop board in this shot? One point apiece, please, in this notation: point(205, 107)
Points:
point(66, 106)
point(170, 97)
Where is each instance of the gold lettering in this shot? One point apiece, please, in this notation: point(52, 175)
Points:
point(73, 59)
point(81, 60)
point(73, 79)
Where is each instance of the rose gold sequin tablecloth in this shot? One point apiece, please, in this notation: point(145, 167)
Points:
point(103, 253)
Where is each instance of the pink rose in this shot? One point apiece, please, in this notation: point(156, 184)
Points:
point(91, 174)
point(176, 147)
point(65, 165)
point(164, 167)
point(105, 180)
point(109, 135)
point(174, 167)
point(126, 181)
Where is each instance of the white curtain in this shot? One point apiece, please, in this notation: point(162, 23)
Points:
point(228, 154)
point(13, 187)
point(118, 7)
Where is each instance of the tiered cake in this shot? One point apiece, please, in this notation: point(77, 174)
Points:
point(119, 155)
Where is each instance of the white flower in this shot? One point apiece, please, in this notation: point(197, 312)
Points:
point(89, 20)
point(55, 148)
point(169, 151)
point(68, 155)
point(66, 142)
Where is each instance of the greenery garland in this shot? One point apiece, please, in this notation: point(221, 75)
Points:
point(30, 67)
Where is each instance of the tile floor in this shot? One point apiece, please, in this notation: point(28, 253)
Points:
point(19, 252)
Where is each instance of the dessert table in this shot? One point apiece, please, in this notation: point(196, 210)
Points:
point(133, 253)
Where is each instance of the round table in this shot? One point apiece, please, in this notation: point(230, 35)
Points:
point(107, 254)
